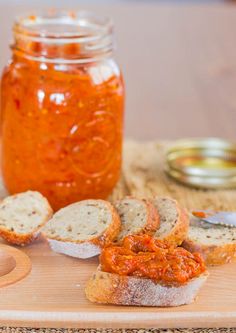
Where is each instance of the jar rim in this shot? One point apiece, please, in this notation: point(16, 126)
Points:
point(63, 36)
point(60, 25)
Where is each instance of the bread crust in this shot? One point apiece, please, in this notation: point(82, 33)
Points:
point(15, 238)
point(109, 288)
point(179, 233)
point(213, 254)
point(153, 218)
point(113, 229)
point(101, 240)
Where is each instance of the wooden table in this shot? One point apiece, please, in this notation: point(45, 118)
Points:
point(179, 63)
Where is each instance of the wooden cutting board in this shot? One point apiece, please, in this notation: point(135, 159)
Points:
point(52, 295)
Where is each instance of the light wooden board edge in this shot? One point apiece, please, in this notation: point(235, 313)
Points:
point(118, 320)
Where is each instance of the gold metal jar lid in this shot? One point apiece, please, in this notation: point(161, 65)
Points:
point(203, 163)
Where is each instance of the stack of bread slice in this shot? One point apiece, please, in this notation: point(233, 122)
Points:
point(83, 229)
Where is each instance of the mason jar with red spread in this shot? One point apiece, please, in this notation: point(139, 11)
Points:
point(62, 105)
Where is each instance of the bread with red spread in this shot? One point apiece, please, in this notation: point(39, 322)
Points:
point(146, 272)
point(81, 229)
point(216, 243)
point(22, 216)
point(137, 217)
point(174, 221)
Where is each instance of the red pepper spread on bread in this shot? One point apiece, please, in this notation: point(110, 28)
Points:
point(146, 257)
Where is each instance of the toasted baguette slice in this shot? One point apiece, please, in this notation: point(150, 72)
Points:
point(137, 217)
point(109, 288)
point(174, 221)
point(216, 243)
point(81, 229)
point(22, 216)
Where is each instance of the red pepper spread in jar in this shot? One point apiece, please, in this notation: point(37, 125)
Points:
point(144, 256)
point(62, 102)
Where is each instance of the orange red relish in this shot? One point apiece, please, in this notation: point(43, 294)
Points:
point(62, 128)
point(144, 256)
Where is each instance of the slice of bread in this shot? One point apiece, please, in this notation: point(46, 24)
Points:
point(22, 216)
point(174, 221)
point(81, 229)
point(109, 288)
point(216, 243)
point(137, 217)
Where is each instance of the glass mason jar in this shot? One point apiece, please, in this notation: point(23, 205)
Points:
point(62, 104)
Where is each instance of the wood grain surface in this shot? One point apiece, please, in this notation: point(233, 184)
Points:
point(53, 294)
point(14, 265)
point(178, 61)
